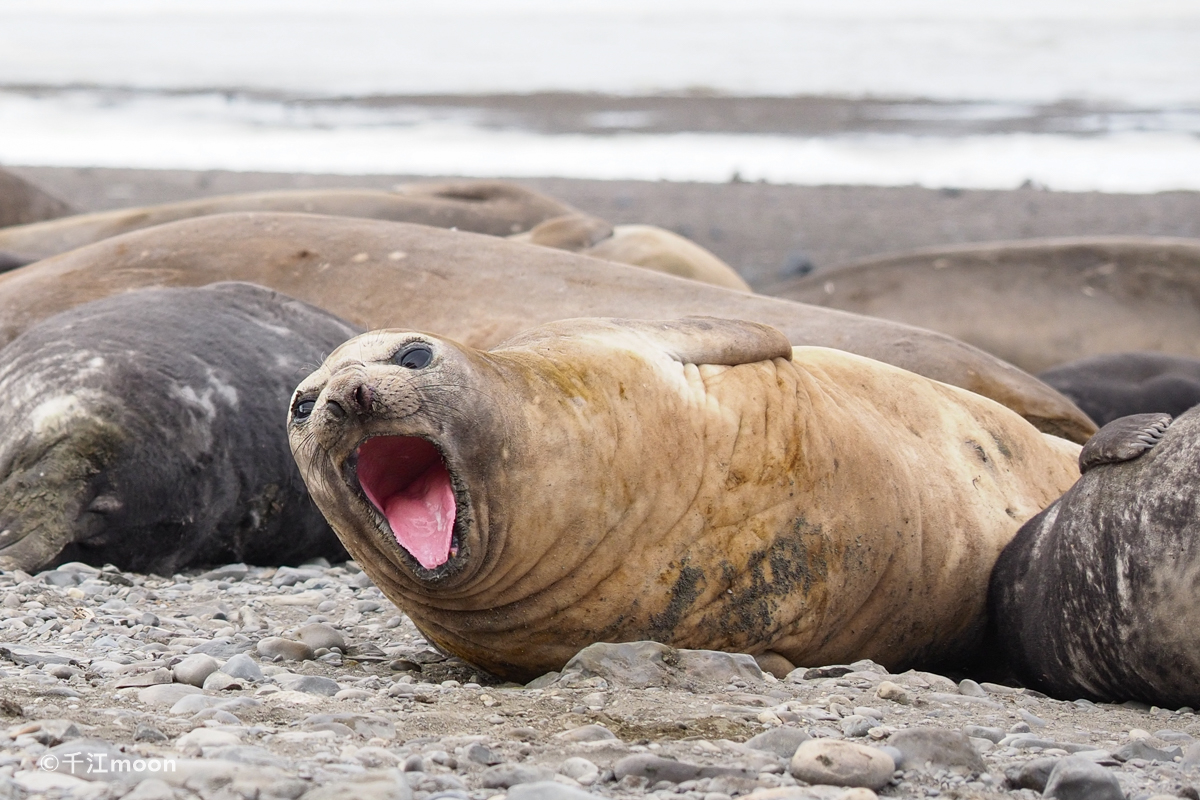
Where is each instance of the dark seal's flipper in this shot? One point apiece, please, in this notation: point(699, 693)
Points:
point(1123, 439)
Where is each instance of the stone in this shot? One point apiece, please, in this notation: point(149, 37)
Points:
point(939, 748)
point(1030, 775)
point(319, 635)
point(154, 677)
point(193, 704)
point(586, 733)
point(1076, 778)
point(580, 770)
point(774, 664)
point(839, 763)
point(970, 688)
point(1139, 749)
point(856, 725)
point(548, 790)
point(310, 684)
point(894, 692)
point(367, 787)
point(276, 647)
point(414, 763)
point(655, 768)
point(88, 759)
point(780, 741)
point(194, 669)
point(166, 694)
point(151, 789)
point(219, 681)
point(993, 735)
point(482, 754)
point(645, 664)
point(206, 737)
point(367, 726)
point(149, 733)
point(228, 572)
point(505, 776)
point(243, 668)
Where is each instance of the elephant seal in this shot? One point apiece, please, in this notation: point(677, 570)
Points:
point(491, 207)
point(696, 482)
point(1112, 386)
point(1096, 595)
point(1037, 303)
point(640, 245)
point(478, 290)
point(21, 202)
point(144, 430)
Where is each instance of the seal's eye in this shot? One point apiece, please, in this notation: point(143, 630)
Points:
point(414, 356)
point(303, 409)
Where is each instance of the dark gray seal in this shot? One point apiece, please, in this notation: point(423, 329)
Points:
point(1112, 386)
point(1096, 595)
point(146, 430)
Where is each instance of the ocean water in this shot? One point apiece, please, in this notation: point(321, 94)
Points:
point(1101, 95)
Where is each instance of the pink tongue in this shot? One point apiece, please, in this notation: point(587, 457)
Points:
point(422, 516)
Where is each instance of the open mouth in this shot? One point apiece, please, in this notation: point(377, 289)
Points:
point(407, 480)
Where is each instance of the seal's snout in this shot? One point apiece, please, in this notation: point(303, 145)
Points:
point(355, 397)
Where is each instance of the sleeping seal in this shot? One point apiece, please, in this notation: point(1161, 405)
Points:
point(1096, 595)
point(144, 430)
point(1118, 385)
point(478, 290)
point(697, 482)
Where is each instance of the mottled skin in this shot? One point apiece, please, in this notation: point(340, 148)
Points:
point(1096, 596)
point(491, 207)
point(143, 430)
point(1109, 387)
point(1036, 303)
point(695, 482)
point(478, 290)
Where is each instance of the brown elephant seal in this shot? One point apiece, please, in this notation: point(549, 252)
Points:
point(696, 482)
point(143, 430)
point(478, 290)
point(21, 202)
point(1117, 385)
point(1036, 303)
point(640, 245)
point(492, 207)
point(1096, 595)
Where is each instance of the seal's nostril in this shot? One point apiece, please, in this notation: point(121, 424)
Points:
point(335, 409)
point(363, 396)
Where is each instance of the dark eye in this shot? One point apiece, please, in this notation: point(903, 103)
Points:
point(414, 356)
point(303, 409)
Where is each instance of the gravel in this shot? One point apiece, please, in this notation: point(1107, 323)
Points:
point(103, 665)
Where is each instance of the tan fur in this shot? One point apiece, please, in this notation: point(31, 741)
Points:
point(660, 250)
point(825, 507)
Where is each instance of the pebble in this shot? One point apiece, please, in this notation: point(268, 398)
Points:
point(548, 790)
point(276, 647)
point(319, 635)
point(780, 741)
point(838, 763)
point(1075, 778)
point(654, 768)
point(194, 669)
point(586, 733)
point(166, 694)
point(938, 748)
point(894, 692)
point(242, 667)
point(580, 770)
point(505, 776)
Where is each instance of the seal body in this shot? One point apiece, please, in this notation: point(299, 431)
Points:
point(1096, 595)
point(143, 430)
point(21, 202)
point(478, 290)
point(492, 207)
point(1108, 387)
point(1036, 303)
point(696, 482)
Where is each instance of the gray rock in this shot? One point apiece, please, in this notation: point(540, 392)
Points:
point(643, 664)
point(311, 684)
point(548, 790)
point(222, 648)
point(194, 703)
point(586, 733)
point(857, 725)
point(482, 754)
point(780, 741)
point(166, 694)
point(219, 682)
point(148, 733)
point(368, 787)
point(838, 763)
point(654, 769)
point(580, 769)
point(1076, 778)
point(367, 726)
point(993, 735)
point(246, 754)
point(1139, 749)
point(277, 647)
point(1191, 759)
point(504, 776)
point(414, 763)
point(243, 668)
point(970, 688)
point(319, 634)
point(151, 789)
point(90, 759)
point(1032, 719)
point(1030, 775)
point(194, 669)
point(229, 572)
point(942, 749)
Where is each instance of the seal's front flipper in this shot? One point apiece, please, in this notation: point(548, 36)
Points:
point(691, 340)
point(1123, 439)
